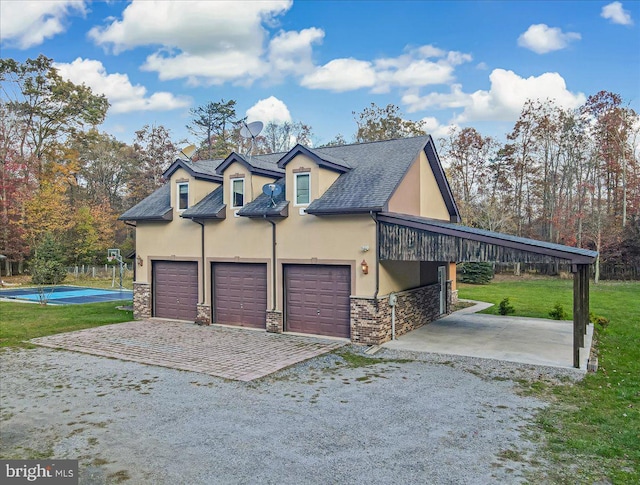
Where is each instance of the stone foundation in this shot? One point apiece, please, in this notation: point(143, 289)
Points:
point(204, 314)
point(454, 297)
point(274, 321)
point(141, 300)
point(371, 319)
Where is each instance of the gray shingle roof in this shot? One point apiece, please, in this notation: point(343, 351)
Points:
point(202, 169)
point(210, 207)
point(263, 164)
point(262, 205)
point(378, 168)
point(156, 207)
point(324, 159)
point(372, 172)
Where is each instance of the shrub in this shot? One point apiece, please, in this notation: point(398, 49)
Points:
point(505, 307)
point(598, 320)
point(558, 312)
point(476, 273)
point(46, 266)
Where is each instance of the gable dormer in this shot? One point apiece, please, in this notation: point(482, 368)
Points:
point(309, 174)
point(243, 178)
point(190, 182)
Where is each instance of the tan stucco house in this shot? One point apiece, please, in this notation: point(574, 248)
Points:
point(318, 241)
point(211, 246)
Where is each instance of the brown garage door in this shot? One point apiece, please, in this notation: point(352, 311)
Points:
point(175, 289)
point(240, 294)
point(318, 299)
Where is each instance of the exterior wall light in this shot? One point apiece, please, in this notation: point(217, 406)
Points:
point(140, 261)
point(365, 267)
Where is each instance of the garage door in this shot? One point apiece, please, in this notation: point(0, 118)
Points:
point(318, 299)
point(240, 294)
point(175, 289)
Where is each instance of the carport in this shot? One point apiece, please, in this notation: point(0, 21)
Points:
point(411, 238)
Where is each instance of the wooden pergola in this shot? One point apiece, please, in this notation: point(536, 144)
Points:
point(412, 238)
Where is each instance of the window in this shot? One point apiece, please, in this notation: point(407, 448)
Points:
point(303, 194)
point(237, 192)
point(183, 196)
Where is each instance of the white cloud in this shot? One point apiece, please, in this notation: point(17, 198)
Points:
point(28, 23)
point(540, 38)
point(291, 52)
point(503, 101)
point(616, 14)
point(482, 66)
point(413, 69)
point(123, 96)
point(205, 42)
point(269, 109)
point(432, 126)
point(341, 75)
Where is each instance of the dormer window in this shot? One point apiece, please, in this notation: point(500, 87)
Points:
point(183, 196)
point(302, 189)
point(237, 193)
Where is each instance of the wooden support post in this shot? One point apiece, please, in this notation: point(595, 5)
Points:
point(585, 302)
point(577, 330)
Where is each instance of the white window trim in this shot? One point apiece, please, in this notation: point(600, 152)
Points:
point(178, 185)
point(244, 194)
point(295, 189)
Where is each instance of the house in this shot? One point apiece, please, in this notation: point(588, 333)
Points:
point(212, 246)
point(356, 241)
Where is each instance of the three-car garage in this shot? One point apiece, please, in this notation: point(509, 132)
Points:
point(316, 297)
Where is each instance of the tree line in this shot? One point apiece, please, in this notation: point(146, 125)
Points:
point(563, 176)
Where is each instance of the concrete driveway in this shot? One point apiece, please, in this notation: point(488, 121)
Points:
point(514, 339)
point(232, 353)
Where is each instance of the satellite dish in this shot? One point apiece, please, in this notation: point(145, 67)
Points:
point(273, 191)
point(188, 151)
point(251, 130)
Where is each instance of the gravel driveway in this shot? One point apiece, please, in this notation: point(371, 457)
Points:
point(322, 421)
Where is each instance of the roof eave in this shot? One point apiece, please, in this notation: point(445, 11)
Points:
point(166, 217)
point(342, 211)
point(199, 176)
point(321, 162)
point(282, 213)
point(221, 214)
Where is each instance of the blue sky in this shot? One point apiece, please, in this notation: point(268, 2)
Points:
point(448, 63)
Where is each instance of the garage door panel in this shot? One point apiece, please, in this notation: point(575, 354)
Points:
point(318, 299)
point(175, 285)
point(240, 294)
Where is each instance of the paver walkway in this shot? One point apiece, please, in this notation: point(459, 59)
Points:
point(231, 353)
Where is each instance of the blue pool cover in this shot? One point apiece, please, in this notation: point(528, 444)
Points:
point(67, 295)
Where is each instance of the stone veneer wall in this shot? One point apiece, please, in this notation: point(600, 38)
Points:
point(204, 314)
point(371, 318)
point(141, 300)
point(274, 321)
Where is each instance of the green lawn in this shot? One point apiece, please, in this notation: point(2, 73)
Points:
point(24, 321)
point(591, 429)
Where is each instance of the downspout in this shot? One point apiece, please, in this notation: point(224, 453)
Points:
point(273, 263)
point(202, 255)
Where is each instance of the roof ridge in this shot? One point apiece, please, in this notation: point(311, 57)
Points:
point(371, 142)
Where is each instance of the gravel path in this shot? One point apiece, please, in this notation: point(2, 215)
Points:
point(444, 421)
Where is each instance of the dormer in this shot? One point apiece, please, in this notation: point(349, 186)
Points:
point(190, 183)
point(243, 178)
point(309, 174)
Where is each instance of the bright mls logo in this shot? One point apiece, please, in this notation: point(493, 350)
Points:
point(50, 472)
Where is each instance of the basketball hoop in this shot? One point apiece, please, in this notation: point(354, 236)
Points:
point(110, 258)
